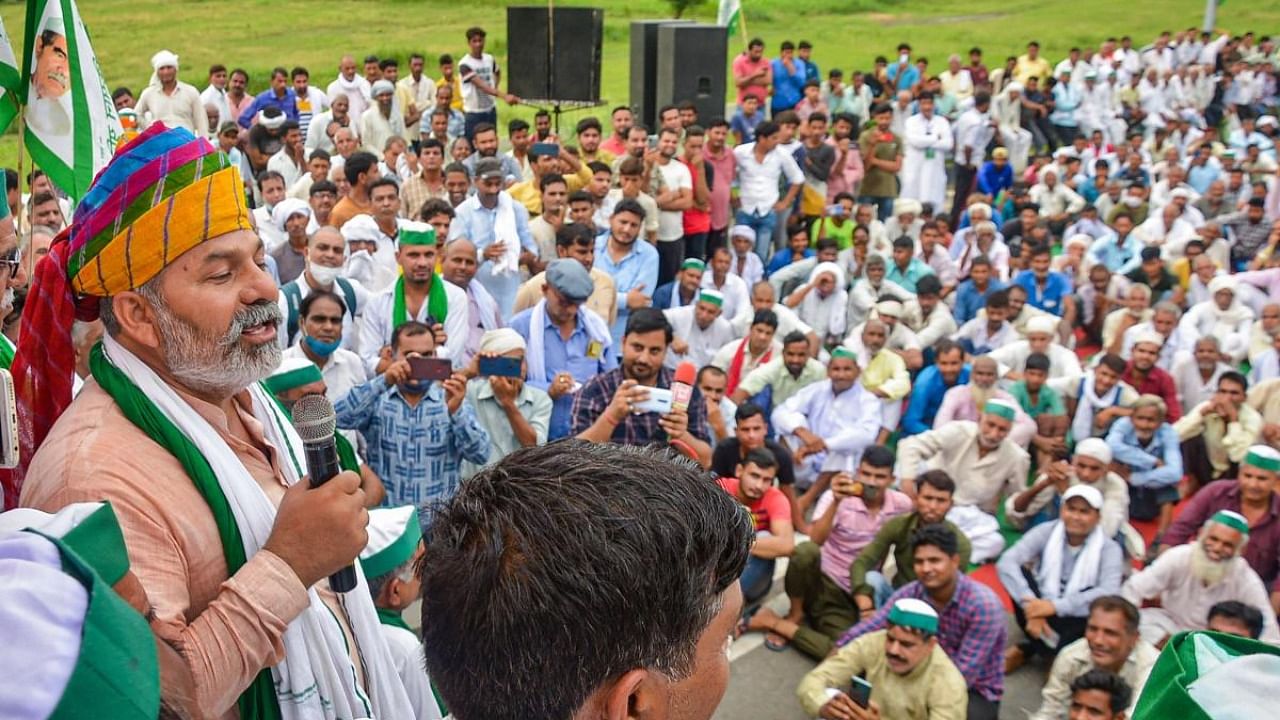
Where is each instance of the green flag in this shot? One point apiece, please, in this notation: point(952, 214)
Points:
point(730, 15)
point(10, 80)
point(1208, 676)
point(72, 126)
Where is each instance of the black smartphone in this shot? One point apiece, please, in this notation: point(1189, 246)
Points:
point(429, 368)
point(500, 366)
point(860, 692)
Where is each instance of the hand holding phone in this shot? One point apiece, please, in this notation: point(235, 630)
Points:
point(860, 692)
point(429, 368)
point(500, 367)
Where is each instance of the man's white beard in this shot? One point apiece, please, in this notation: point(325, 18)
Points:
point(6, 302)
point(219, 366)
point(1206, 570)
point(981, 395)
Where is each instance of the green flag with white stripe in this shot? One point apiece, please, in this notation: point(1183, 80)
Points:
point(10, 80)
point(730, 15)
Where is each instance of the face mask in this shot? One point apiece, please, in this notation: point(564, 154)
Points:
point(416, 386)
point(1132, 201)
point(324, 275)
point(321, 348)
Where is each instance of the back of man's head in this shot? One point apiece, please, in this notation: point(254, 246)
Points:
point(559, 569)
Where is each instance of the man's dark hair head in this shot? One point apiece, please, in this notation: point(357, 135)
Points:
point(938, 480)
point(551, 179)
point(629, 206)
point(409, 328)
point(514, 632)
point(795, 336)
point(1107, 682)
point(646, 320)
point(304, 310)
point(935, 535)
point(574, 234)
point(263, 177)
point(765, 317)
point(746, 410)
point(1247, 615)
point(1115, 603)
point(762, 457)
point(516, 125)
point(587, 123)
point(384, 181)
point(1233, 376)
point(929, 285)
point(434, 207)
point(877, 456)
point(358, 164)
point(998, 299)
point(322, 187)
point(1113, 362)
point(581, 196)
point(1037, 361)
point(766, 128)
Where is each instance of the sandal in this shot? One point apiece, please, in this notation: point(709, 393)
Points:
point(776, 642)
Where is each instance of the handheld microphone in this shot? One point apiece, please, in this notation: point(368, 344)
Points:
point(315, 421)
point(682, 386)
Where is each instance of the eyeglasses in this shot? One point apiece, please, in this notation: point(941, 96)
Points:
point(12, 260)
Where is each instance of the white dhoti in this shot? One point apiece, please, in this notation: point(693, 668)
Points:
point(890, 414)
point(1156, 624)
point(1018, 142)
point(983, 531)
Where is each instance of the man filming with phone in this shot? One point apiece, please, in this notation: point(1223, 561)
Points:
point(632, 404)
point(898, 672)
point(416, 420)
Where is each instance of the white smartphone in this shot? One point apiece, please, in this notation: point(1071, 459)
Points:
point(8, 422)
point(659, 401)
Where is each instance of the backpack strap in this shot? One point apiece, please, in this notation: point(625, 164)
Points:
point(293, 301)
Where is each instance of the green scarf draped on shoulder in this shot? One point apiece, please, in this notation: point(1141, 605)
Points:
point(437, 302)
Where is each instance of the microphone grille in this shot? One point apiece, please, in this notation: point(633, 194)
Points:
point(314, 418)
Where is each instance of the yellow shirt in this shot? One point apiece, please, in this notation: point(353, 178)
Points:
point(528, 194)
point(934, 690)
point(456, 102)
point(1028, 68)
point(887, 371)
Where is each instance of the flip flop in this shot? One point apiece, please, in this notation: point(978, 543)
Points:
point(777, 645)
point(742, 628)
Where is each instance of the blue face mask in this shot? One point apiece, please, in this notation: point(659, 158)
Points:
point(323, 349)
point(417, 387)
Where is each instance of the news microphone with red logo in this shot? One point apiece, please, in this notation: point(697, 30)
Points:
point(682, 386)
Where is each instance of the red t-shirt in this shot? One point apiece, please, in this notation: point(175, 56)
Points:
point(772, 506)
point(743, 65)
point(696, 221)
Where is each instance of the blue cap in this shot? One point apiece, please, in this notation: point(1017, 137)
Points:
point(570, 279)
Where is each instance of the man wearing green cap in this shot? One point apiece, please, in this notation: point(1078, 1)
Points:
point(700, 330)
point(390, 565)
point(991, 466)
point(1189, 579)
point(828, 424)
point(683, 290)
point(909, 673)
point(1254, 494)
point(419, 295)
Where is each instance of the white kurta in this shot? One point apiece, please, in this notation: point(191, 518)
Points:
point(737, 298)
point(924, 163)
point(376, 324)
point(1013, 357)
point(703, 344)
point(1185, 601)
point(406, 653)
point(847, 423)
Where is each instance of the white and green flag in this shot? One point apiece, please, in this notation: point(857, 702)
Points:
point(730, 15)
point(72, 126)
point(10, 80)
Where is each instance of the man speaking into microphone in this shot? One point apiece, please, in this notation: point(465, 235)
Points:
point(199, 463)
point(639, 403)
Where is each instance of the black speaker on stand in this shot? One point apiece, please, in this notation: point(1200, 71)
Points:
point(554, 55)
point(644, 69)
point(691, 66)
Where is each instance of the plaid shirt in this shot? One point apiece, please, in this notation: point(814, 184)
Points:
point(641, 429)
point(971, 629)
point(1248, 238)
point(415, 193)
point(417, 451)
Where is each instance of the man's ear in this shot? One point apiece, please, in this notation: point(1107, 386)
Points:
point(635, 695)
point(136, 318)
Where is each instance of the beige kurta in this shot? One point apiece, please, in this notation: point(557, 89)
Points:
point(603, 300)
point(227, 628)
point(980, 481)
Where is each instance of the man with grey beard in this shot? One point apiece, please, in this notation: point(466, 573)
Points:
point(1190, 579)
point(199, 463)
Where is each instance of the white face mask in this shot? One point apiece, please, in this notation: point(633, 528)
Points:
point(324, 275)
point(1132, 201)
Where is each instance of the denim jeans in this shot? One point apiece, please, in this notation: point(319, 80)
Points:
point(763, 225)
point(880, 586)
point(757, 578)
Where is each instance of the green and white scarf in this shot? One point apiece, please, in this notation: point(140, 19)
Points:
point(437, 302)
point(316, 679)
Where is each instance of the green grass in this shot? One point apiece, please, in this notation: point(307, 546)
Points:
point(259, 34)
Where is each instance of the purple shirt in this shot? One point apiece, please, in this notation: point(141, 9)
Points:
point(971, 630)
point(1263, 550)
point(852, 529)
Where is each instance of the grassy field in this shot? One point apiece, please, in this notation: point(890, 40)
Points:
point(259, 34)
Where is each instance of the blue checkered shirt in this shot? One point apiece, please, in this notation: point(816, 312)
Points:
point(416, 451)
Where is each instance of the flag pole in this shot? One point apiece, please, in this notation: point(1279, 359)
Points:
point(742, 27)
point(30, 260)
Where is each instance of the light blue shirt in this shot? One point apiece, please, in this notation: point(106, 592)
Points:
point(1066, 98)
point(475, 223)
point(1117, 258)
point(560, 355)
point(637, 268)
point(1122, 438)
point(908, 278)
point(1030, 549)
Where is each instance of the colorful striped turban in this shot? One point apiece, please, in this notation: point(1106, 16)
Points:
point(163, 193)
